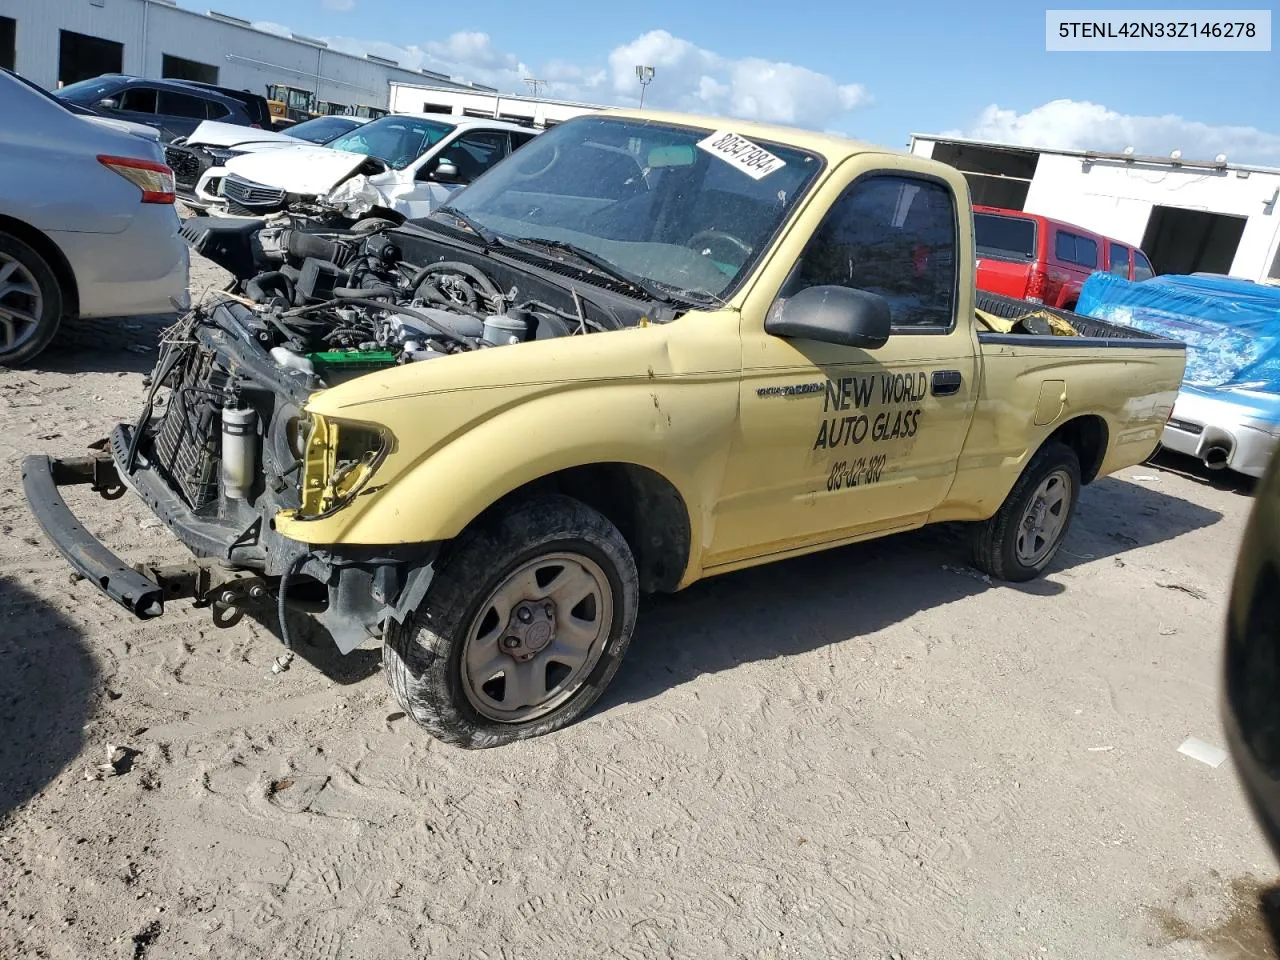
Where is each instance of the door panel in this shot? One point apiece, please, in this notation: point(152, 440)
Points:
point(837, 442)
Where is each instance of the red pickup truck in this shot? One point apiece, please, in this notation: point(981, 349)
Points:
point(1030, 257)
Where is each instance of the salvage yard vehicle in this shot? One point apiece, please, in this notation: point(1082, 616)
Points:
point(1037, 258)
point(398, 167)
point(647, 349)
point(87, 224)
point(174, 107)
point(212, 144)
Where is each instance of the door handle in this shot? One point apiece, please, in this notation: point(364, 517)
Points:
point(944, 383)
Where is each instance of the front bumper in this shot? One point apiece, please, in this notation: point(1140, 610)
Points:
point(41, 477)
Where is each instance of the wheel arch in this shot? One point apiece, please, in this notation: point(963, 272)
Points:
point(1089, 436)
point(647, 508)
point(52, 254)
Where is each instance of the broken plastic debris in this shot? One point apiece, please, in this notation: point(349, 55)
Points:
point(1100, 749)
point(1145, 478)
point(1197, 749)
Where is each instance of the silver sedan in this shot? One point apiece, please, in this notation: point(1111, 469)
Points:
point(87, 220)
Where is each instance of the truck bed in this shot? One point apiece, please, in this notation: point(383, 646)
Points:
point(1096, 332)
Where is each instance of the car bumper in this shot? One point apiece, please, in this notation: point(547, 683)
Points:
point(41, 478)
point(1222, 433)
point(142, 270)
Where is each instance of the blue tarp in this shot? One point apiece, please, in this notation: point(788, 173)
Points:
point(1231, 327)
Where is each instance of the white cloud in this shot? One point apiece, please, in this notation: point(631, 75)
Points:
point(1081, 125)
point(268, 26)
point(687, 77)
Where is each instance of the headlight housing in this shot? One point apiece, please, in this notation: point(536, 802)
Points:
point(339, 459)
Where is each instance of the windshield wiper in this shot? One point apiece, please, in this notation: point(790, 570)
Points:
point(481, 231)
point(609, 269)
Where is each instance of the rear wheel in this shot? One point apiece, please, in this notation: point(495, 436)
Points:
point(523, 627)
point(1025, 534)
point(30, 301)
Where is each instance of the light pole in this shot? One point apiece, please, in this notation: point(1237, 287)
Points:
point(645, 76)
point(535, 84)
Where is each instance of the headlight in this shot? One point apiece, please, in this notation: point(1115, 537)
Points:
point(339, 459)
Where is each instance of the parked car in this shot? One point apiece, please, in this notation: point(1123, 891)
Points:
point(87, 224)
point(598, 372)
point(1228, 411)
point(174, 107)
point(400, 165)
point(213, 143)
point(1030, 257)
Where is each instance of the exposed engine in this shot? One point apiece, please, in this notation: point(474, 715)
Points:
point(341, 303)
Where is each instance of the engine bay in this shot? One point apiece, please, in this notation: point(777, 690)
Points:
point(333, 304)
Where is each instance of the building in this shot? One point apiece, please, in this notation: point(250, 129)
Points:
point(62, 41)
point(1210, 216)
point(483, 102)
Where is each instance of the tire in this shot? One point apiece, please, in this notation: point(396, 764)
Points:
point(28, 321)
point(438, 661)
point(999, 545)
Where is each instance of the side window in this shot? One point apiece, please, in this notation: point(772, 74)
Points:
point(1119, 260)
point(1071, 248)
point(518, 140)
point(894, 236)
point(474, 153)
point(1142, 269)
point(139, 100)
point(181, 105)
point(215, 110)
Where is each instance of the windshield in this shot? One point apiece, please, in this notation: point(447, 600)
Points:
point(397, 141)
point(321, 129)
point(649, 198)
point(89, 91)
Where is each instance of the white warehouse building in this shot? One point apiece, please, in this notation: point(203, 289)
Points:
point(1210, 216)
point(54, 42)
point(532, 111)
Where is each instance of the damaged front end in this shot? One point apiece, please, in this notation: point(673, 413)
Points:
point(225, 446)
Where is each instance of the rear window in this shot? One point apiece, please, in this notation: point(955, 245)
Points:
point(1142, 267)
point(1072, 248)
point(1004, 238)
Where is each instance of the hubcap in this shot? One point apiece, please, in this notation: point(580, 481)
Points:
point(21, 304)
point(1045, 519)
point(537, 637)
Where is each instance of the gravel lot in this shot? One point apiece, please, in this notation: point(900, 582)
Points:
point(867, 753)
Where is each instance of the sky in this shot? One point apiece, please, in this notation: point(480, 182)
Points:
point(875, 71)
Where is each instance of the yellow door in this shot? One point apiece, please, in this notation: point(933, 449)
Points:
point(838, 442)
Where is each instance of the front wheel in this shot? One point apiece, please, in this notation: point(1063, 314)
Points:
point(1024, 536)
point(523, 627)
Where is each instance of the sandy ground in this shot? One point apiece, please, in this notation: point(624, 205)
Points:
point(866, 753)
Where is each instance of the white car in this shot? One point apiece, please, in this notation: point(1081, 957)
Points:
point(406, 164)
point(212, 144)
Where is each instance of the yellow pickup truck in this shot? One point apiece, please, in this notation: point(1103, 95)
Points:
point(645, 349)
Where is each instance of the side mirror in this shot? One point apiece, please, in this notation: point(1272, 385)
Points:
point(108, 103)
point(445, 171)
point(842, 315)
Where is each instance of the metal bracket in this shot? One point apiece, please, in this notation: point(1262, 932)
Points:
point(207, 582)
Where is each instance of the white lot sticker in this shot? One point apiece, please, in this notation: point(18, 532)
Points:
point(756, 162)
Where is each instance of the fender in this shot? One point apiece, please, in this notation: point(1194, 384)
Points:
point(680, 429)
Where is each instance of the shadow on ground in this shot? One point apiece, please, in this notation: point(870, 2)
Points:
point(1194, 470)
point(314, 644)
point(105, 345)
point(48, 689)
point(795, 606)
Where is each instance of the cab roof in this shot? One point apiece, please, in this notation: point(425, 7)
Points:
point(831, 147)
